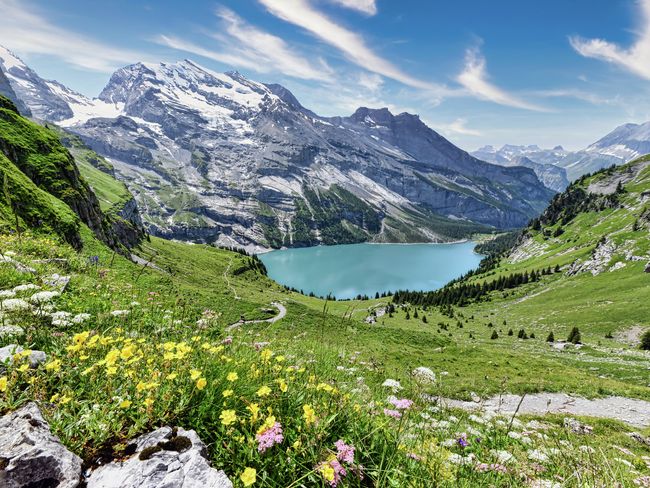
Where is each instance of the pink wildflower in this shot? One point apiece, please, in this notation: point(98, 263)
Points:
point(412, 455)
point(337, 470)
point(494, 467)
point(227, 341)
point(345, 452)
point(270, 437)
point(401, 404)
point(392, 413)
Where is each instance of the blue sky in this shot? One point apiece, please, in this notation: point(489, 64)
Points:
point(480, 72)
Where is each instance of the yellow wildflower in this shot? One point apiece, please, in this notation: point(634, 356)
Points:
point(232, 376)
point(23, 368)
point(280, 359)
point(254, 409)
point(283, 385)
point(112, 356)
point(127, 352)
point(227, 393)
point(324, 386)
point(266, 354)
point(309, 414)
point(249, 476)
point(327, 471)
point(65, 399)
point(200, 383)
point(125, 404)
point(3, 384)
point(54, 365)
point(171, 376)
point(268, 423)
point(148, 402)
point(263, 391)
point(194, 374)
point(228, 417)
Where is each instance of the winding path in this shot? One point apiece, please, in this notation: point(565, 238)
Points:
point(282, 312)
point(630, 410)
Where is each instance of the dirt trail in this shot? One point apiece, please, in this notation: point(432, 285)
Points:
point(630, 410)
point(282, 312)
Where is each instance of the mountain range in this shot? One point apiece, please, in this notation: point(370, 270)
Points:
point(555, 167)
point(217, 157)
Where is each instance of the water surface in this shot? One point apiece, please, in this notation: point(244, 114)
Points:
point(346, 271)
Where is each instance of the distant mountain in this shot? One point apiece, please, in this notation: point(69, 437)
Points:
point(623, 144)
point(542, 161)
point(218, 157)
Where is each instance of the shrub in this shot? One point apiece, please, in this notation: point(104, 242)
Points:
point(494, 335)
point(574, 336)
point(550, 337)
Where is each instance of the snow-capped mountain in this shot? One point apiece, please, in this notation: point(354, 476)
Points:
point(218, 157)
point(623, 144)
point(542, 161)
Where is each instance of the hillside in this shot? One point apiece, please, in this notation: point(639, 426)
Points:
point(159, 343)
point(217, 157)
point(36, 162)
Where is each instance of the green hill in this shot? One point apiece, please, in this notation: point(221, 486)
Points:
point(132, 346)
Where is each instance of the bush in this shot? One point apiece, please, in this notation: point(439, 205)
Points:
point(574, 336)
point(510, 332)
point(494, 335)
point(550, 337)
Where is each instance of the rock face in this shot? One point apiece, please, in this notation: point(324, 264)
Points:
point(218, 157)
point(30, 456)
point(165, 458)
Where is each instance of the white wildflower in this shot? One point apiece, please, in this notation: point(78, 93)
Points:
point(80, 318)
point(119, 313)
point(43, 296)
point(14, 304)
point(393, 384)
point(7, 293)
point(423, 375)
point(27, 287)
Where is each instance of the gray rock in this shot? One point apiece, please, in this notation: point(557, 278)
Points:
point(31, 455)
point(577, 427)
point(7, 353)
point(156, 464)
point(57, 281)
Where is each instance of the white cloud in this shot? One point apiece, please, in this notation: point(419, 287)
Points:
point(368, 7)
point(244, 45)
point(27, 32)
point(578, 95)
point(371, 81)
point(351, 44)
point(636, 58)
point(475, 79)
point(459, 126)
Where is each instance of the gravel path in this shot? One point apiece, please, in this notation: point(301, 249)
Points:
point(632, 411)
point(282, 312)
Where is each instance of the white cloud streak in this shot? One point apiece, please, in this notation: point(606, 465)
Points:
point(635, 59)
point(368, 7)
point(246, 46)
point(475, 79)
point(351, 44)
point(459, 126)
point(28, 32)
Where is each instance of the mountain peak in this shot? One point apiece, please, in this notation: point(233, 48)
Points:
point(373, 116)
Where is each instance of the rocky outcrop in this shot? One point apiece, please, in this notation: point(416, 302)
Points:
point(165, 458)
point(30, 456)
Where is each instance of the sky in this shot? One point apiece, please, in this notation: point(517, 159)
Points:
point(551, 72)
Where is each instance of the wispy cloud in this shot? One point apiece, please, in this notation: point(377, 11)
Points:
point(458, 126)
point(475, 79)
point(368, 7)
point(351, 44)
point(582, 95)
point(636, 58)
point(26, 31)
point(243, 45)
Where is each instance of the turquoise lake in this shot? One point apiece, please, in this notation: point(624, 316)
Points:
point(348, 270)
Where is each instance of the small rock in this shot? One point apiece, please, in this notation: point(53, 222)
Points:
point(424, 375)
point(577, 427)
point(163, 458)
point(7, 355)
point(57, 281)
point(640, 438)
point(31, 455)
